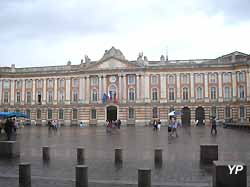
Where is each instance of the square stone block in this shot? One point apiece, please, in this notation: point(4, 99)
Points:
point(223, 176)
point(208, 153)
point(9, 149)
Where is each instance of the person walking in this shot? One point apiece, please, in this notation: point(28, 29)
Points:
point(174, 126)
point(213, 128)
point(119, 123)
point(8, 128)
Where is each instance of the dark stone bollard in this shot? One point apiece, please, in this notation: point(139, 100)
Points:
point(208, 153)
point(229, 174)
point(24, 175)
point(158, 157)
point(9, 149)
point(81, 176)
point(118, 156)
point(46, 153)
point(144, 178)
point(80, 156)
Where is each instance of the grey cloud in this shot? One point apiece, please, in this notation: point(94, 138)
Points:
point(40, 18)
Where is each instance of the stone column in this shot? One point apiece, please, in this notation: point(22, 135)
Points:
point(104, 80)
point(146, 86)
point(23, 92)
point(83, 89)
point(192, 87)
point(100, 89)
point(206, 88)
point(178, 91)
point(248, 85)
point(220, 87)
point(120, 88)
point(68, 86)
point(137, 88)
point(44, 92)
point(33, 91)
point(12, 94)
point(234, 87)
point(87, 89)
point(55, 91)
point(142, 87)
point(125, 88)
point(163, 97)
point(1, 90)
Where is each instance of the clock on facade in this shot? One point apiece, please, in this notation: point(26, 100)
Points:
point(112, 79)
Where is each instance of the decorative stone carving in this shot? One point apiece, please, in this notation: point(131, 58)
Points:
point(87, 59)
point(162, 58)
point(113, 52)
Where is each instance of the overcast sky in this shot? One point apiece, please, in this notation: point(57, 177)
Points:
point(51, 32)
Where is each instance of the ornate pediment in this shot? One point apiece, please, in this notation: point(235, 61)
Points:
point(112, 59)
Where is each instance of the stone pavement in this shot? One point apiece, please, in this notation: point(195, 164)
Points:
point(181, 155)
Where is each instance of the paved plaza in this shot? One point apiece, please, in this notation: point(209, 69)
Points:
point(181, 155)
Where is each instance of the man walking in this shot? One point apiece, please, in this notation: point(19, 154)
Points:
point(213, 128)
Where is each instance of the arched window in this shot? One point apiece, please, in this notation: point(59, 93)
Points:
point(50, 96)
point(94, 95)
point(155, 112)
point(75, 95)
point(199, 93)
point(112, 92)
point(28, 97)
point(39, 97)
point(213, 93)
point(61, 95)
point(241, 92)
point(49, 113)
point(171, 94)
point(18, 97)
point(28, 83)
point(131, 94)
point(74, 113)
point(227, 92)
point(171, 79)
point(185, 93)
point(38, 114)
point(227, 112)
point(154, 94)
point(131, 113)
point(61, 113)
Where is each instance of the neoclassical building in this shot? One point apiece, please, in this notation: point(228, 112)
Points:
point(133, 91)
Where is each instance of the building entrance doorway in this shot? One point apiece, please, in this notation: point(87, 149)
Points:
point(111, 113)
point(185, 118)
point(200, 115)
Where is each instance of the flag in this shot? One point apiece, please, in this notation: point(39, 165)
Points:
point(104, 98)
point(110, 95)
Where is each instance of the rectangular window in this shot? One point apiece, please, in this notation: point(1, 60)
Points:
point(74, 114)
point(28, 83)
point(38, 114)
point(131, 79)
point(28, 97)
point(131, 113)
point(154, 79)
point(61, 83)
point(50, 83)
point(28, 113)
point(49, 114)
point(213, 93)
point(60, 113)
point(242, 112)
point(75, 82)
point(171, 94)
point(227, 112)
point(155, 113)
point(50, 96)
point(131, 94)
point(93, 114)
point(39, 83)
point(6, 97)
point(75, 96)
point(154, 95)
point(18, 85)
point(6, 84)
point(94, 81)
point(18, 97)
point(213, 111)
point(227, 93)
